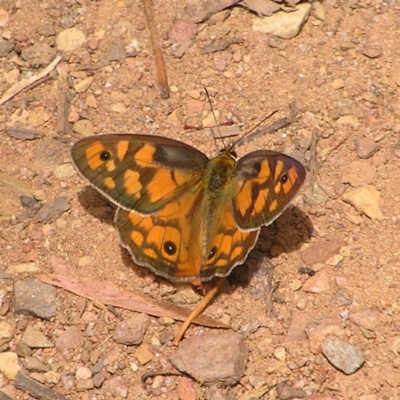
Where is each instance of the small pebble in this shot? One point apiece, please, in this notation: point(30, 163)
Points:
point(366, 148)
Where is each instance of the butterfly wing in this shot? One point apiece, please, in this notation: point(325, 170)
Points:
point(169, 240)
point(264, 185)
point(226, 246)
point(139, 173)
point(158, 184)
point(193, 237)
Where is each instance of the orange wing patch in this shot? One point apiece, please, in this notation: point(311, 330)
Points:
point(161, 185)
point(244, 198)
point(122, 149)
point(110, 183)
point(145, 155)
point(132, 184)
point(293, 177)
point(165, 241)
point(93, 155)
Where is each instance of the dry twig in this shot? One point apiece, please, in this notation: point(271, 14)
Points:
point(160, 65)
point(24, 83)
point(36, 389)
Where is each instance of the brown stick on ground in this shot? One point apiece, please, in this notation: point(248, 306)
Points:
point(36, 389)
point(27, 82)
point(200, 307)
point(160, 65)
point(313, 157)
point(64, 101)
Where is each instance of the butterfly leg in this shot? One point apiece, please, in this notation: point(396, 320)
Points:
point(200, 307)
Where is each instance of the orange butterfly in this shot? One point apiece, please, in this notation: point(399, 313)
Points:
point(183, 215)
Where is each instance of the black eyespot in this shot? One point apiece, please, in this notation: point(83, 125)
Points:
point(170, 248)
point(233, 153)
point(284, 178)
point(212, 253)
point(105, 155)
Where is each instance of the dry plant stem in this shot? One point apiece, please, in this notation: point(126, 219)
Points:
point(160, 65)
point(313, 157)
point(64, 101)
point(36, 389)
point(200, 307)
point(24, 83)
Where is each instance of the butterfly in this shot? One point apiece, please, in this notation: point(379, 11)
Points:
point(185, 216)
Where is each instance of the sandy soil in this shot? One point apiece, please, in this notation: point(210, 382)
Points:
point(340, 75)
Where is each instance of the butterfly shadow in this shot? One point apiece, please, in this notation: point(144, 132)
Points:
point(97, 205)
point(285, 235)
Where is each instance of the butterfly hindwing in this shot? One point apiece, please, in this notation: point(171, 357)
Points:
point(167, 241)
point(227, 245)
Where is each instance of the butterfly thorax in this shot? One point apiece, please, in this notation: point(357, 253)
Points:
point(220, 171)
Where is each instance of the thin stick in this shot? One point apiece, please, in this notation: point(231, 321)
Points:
point(279, 124)
point(253, 128)
point(160, 65)
point(313, 158)
point(64, 102)
point(21, 85)
point(36, 389)
point(200, 307)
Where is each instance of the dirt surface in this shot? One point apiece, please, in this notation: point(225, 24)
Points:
point(337, 81)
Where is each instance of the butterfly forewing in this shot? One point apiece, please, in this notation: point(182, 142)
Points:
point(264, 185)
point(138, 172)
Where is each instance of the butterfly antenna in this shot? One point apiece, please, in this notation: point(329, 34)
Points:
point(215, 118)
point(253, 128)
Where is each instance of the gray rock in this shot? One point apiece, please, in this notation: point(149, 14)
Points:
point(342, 355)
point(39, 54)
point(23, 350)
point(115, 50)
point(131, 331)
point(50, 212)
point(213, 358)
point(33, 297)
point(6, 48)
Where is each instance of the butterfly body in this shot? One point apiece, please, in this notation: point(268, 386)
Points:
point(183, 215)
